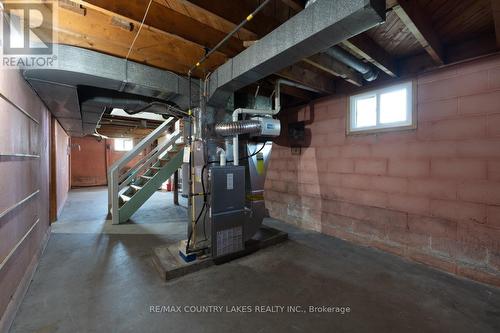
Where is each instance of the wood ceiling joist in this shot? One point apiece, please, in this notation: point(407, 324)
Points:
point(420, 25)
point(153, 46)
point(361, 45)
point(297, 93)
point(206, 17)
point(495, 5)
point(308, 78)
point(327, 64)
point(263, 24)
point(237, 11)
point(168, 20)
point(364, 47)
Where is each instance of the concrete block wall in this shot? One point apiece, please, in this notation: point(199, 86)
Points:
point(431, 194)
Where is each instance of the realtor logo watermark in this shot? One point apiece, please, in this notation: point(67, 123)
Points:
point(28, 34)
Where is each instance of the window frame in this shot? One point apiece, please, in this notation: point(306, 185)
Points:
point(379, 127)
point(123, 139)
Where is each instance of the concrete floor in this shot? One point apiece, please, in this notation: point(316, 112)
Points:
point(95, 277)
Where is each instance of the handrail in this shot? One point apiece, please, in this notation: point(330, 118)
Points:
point(142, 145)
point(138, 164)
point(144, 165)
point(114, 170)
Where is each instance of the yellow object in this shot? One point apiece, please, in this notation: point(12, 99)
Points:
point(260, 163)
point(255, 197)
point(197, 64)
point(249, 17)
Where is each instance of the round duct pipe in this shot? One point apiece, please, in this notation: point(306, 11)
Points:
point(369, 74)
point(238, 127)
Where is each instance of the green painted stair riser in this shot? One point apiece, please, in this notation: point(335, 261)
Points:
point(150, 187)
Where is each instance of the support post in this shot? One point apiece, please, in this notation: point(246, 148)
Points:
point(176, 187)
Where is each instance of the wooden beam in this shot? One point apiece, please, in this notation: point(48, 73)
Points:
point(327, 64)
point(363, 46)
point(495, 6)
point(153, 46)
point(420, 25)
point(168, 20)
point(237, 11)
point(308, 78)
point(206, 17)
point(414, 65)
point(53, 171)
point(298, 93)
point(455, 53)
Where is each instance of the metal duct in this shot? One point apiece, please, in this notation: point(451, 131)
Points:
point(321, 25)
point(94, 100)
point(238, 127)
point(309, 2)
point(368, 72)
point(59, 86)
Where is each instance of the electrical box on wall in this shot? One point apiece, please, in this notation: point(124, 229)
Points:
point(297, 134)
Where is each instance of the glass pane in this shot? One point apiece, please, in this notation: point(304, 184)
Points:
point(118, 144)
point(366, 112)
point(128, 144)
point(393, 107)
point(124, 144)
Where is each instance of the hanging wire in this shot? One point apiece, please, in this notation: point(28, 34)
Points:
point(138, 30)
point(135, 39)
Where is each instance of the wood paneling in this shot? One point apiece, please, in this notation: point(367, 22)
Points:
point(394, 37)
point(61, 166)
point(417, 20)
point(88, 162)
point(460, 20)
point(24, 199)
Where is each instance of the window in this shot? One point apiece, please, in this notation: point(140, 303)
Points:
point(124, 144)
point(387, 108)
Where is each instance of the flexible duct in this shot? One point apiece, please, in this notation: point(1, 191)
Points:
point(369, 74)
point(238, 127)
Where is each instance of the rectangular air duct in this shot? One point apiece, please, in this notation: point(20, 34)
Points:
point(318, 27)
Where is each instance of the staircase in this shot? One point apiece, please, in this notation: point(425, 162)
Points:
point(129, 189)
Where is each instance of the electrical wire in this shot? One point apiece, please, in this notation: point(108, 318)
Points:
point(249, 156)
point(226, 38)
point(135, 39)
point(138, 30)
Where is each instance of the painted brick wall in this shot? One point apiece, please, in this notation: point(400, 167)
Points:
point(430, 194)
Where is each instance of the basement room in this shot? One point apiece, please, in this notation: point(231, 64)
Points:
point(249, 166)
